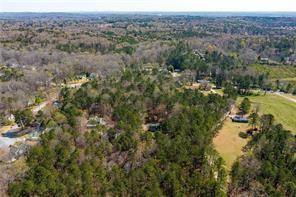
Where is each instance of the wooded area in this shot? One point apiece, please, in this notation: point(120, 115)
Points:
point(129, 105)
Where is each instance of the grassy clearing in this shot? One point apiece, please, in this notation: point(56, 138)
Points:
point(276, 72)
point(228, 143)
point(283, 109)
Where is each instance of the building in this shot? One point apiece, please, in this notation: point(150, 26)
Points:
point(203, 81)
point(153, 127)
point(239, 119)
point(95, 121)
point(264, 60)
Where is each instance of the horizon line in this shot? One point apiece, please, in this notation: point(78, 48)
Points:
point(153, 11)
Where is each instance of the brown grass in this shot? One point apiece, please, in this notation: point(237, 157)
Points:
point(228, 143)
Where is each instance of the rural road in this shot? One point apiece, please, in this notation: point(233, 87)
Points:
point(286, 97)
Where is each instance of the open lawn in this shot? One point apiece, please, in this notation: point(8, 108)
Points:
point(283, 109)
point(228, 143)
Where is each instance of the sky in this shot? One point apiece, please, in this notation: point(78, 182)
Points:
point(148, 5)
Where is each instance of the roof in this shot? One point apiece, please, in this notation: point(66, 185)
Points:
point(203, 81)
point(239, 119)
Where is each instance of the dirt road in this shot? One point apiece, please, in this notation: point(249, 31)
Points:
point(286, 97)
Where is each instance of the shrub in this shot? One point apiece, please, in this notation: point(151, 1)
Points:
point(243, 135)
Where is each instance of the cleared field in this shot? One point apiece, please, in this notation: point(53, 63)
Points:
point(277, 72)
point(283, 109)
point(228, 143)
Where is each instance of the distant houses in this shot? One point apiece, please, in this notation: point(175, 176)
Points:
point(95, 121)
point(264, 60)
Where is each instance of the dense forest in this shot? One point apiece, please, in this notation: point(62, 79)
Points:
point(122, 158)
point(268, 166)
point(133, 102)
point(38, 53)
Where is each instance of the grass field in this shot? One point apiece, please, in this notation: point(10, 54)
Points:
point(277, 72)
point(228, 143)
point(283, 109)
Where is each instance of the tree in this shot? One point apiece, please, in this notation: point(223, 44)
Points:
point(182, 57)
point(289, 88)
point(277, 82)
point(243, 83)
point(24, 117)
point(170, 68)
point(219, 80)
point(266, 122)
point(254, 118)
point(245, 106)
point(229, 91)
point(125, 142)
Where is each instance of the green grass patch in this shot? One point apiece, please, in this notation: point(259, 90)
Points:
point(276, 72)
point(283, 109)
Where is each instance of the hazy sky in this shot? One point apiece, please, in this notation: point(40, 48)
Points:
point(146, 5)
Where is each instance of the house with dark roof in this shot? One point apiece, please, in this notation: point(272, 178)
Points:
point(239, 119)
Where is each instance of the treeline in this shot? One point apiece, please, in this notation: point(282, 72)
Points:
point(268, 166)
point(222, 69)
